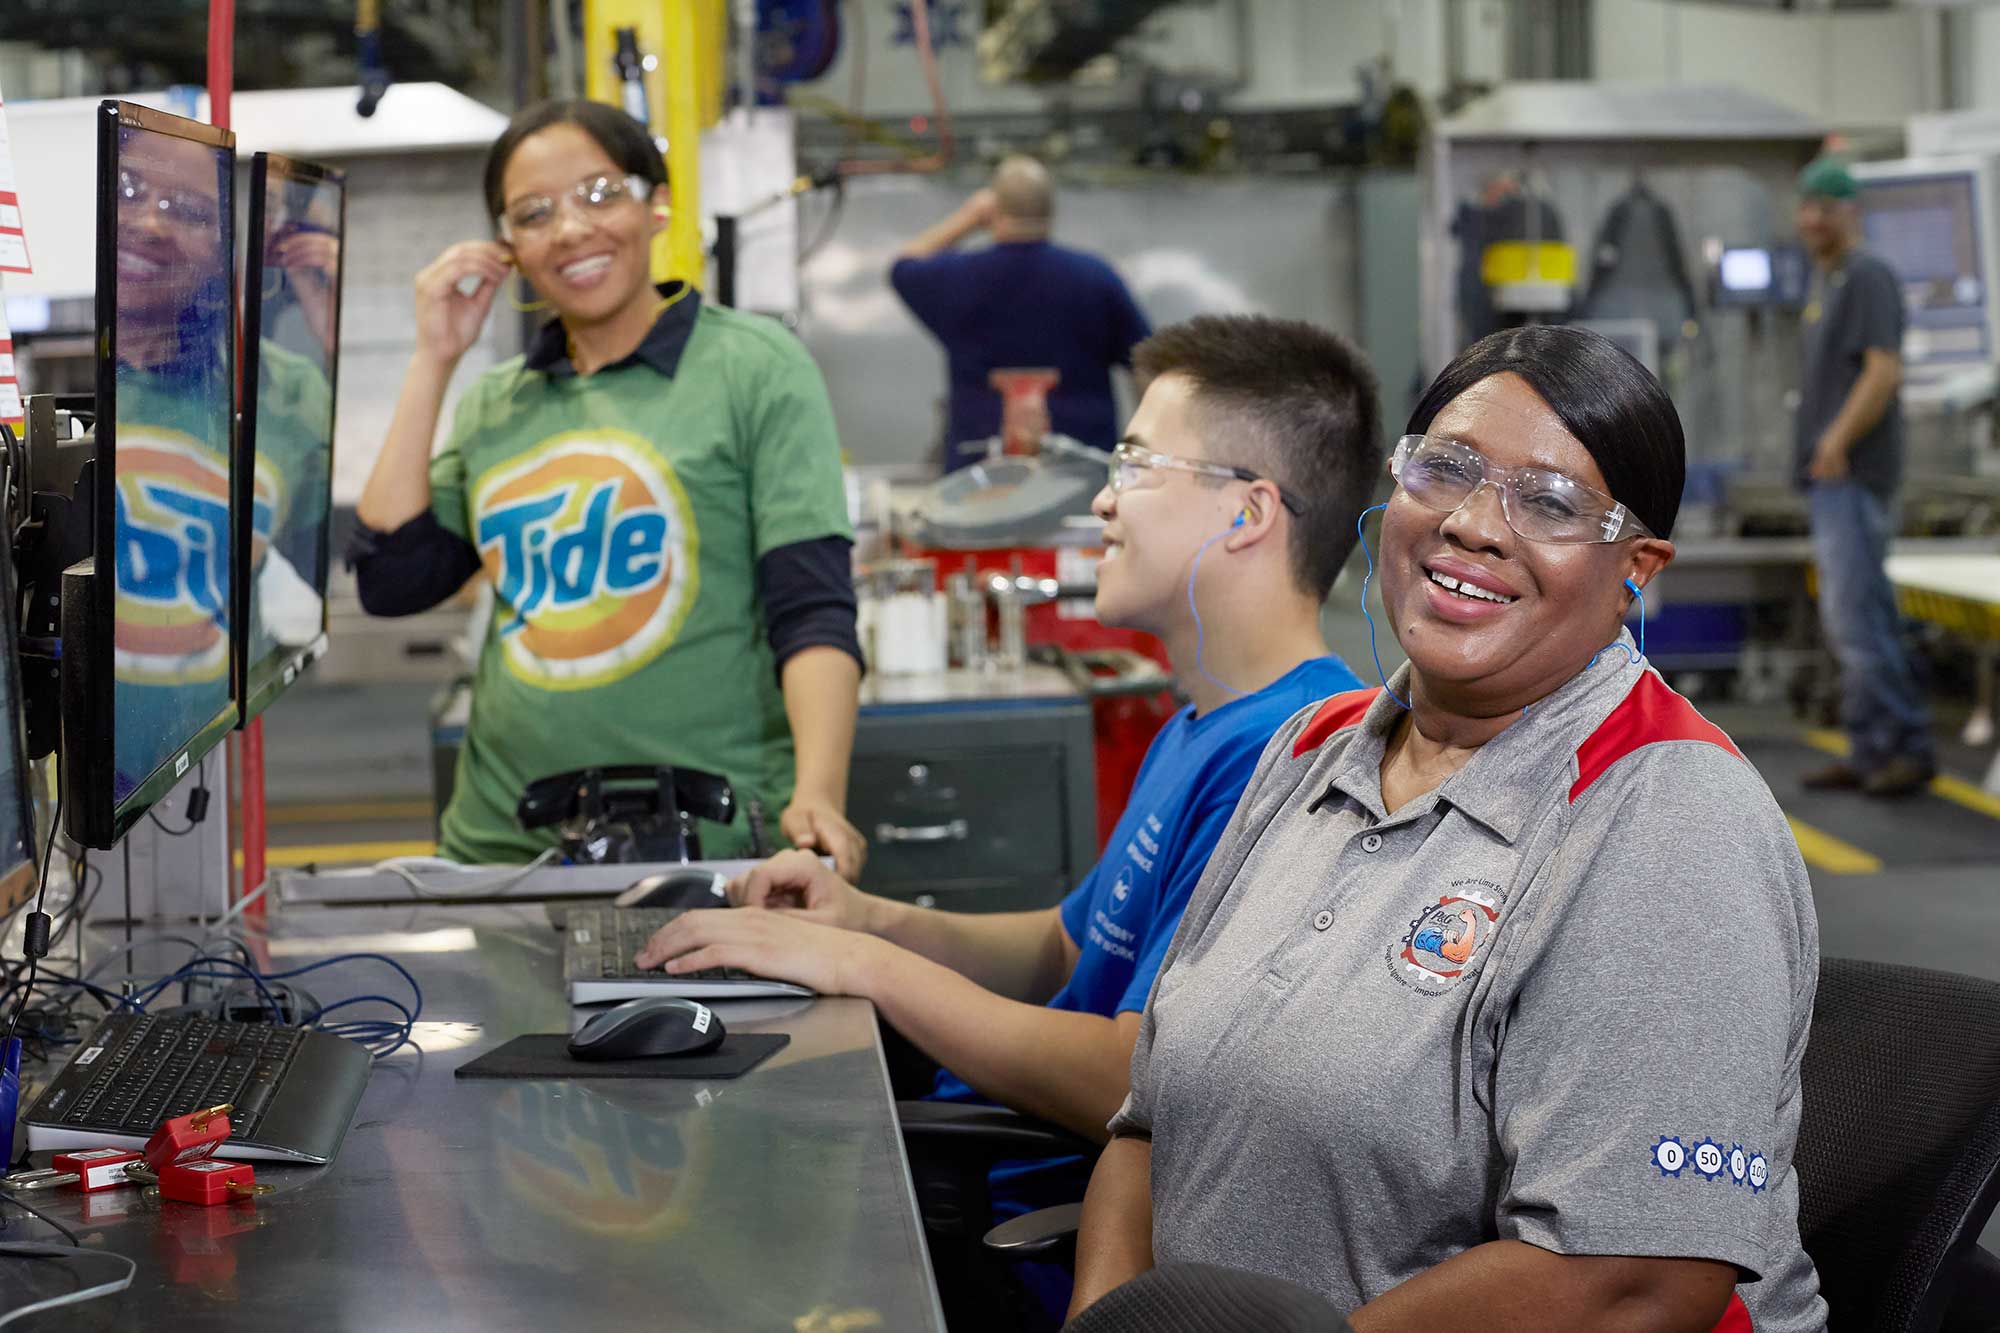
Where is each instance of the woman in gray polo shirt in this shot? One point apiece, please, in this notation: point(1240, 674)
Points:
point(1488, 1011)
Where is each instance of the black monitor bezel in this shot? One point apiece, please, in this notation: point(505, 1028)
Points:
point(244, 473)
point(17, 881)
point(95, 816)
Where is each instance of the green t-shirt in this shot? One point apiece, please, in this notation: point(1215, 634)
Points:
point(170, 549)
point(288, 513)
point(621, 516)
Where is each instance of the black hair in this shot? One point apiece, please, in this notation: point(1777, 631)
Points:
point(1293, 402)
point(623, 139)
point(1610, 403)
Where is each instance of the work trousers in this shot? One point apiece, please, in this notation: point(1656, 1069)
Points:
point(1882, 703)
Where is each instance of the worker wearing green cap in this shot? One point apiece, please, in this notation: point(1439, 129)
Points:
point(1849, 455)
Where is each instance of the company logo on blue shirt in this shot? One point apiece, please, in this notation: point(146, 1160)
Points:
point(1121, 892)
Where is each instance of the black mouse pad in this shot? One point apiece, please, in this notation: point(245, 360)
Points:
point(546, 1055)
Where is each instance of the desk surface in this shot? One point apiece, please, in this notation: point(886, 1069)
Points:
point(780, 1200)
point(1975, 578)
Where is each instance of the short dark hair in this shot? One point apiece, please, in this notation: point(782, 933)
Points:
point(623, 139)
point(1289, 400)
point(1609, 402)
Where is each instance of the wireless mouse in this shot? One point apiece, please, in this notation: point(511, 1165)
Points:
point(655, 1026)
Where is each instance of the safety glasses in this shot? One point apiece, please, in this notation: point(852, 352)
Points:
point(1135, 467)
point(1539, 504)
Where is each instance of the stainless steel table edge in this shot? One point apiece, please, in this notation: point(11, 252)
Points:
point(909, 1177)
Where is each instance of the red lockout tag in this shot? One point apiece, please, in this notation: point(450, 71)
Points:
point(187, 1138)
point(207, 1181)
point(97, 1168)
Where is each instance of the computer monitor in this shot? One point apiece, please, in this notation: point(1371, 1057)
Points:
point(147, 678)
point(1755, 276)
point(1744, 277)
point(284, 449)
point(1930, 221)
point(17, 820)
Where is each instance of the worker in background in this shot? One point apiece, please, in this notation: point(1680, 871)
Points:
point(654, 489)
point(1023, 302)
point(1230, 509)
point(1849, 456)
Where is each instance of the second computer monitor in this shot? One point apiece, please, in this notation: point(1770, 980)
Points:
point(147, 650)
point(284, 474)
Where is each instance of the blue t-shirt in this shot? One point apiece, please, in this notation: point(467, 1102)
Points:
point(1020, 305)
point(1122, 917)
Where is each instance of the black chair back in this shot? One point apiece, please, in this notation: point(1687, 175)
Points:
point(1201, 1298)
point(1899, 1140)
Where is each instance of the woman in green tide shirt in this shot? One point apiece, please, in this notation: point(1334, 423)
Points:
point(654, 490)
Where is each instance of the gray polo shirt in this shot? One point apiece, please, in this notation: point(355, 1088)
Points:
point(1854, 308)
point(1561, 999)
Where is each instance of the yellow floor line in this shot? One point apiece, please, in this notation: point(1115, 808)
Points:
point(345, 853)
point(347, 812)
point(1956, 790)
point(1825, 852)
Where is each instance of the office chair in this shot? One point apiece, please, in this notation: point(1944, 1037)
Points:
point(1201, 1298)
point(1899, 1146)
point(952, 1147)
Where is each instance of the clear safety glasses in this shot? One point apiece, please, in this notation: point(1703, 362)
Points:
point(535, 215)
point(1133, 467)
point(1539, 504)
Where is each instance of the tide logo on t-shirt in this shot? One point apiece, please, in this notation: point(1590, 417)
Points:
point(171, 556)
point(592, 545)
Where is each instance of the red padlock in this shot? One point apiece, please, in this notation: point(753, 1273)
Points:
point(187, 1138)
point(96, 1168)
point(209, 1181)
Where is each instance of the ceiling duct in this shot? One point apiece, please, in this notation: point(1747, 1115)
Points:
point(1046, 41)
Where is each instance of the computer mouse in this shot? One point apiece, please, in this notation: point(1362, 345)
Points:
point(685, 889)
point(654, 1026)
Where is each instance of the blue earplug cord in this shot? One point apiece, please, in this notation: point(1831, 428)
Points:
point(1201, 635)
point(1362, 537)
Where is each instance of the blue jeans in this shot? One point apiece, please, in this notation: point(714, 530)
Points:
point(1882, 705)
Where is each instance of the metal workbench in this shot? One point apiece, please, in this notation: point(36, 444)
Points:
point(778, 1200)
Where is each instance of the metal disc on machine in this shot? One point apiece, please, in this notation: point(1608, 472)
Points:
point(1006, 501)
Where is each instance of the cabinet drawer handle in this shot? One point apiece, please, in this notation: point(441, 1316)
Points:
point(956, 831)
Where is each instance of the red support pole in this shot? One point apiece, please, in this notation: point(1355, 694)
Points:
point(250, 769)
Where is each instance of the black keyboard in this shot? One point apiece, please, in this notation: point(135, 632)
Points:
point(291, 1092)
point(602, 942)
point(154, 1069)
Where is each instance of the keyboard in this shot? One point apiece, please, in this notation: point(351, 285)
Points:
point(292, 1092)
point(597, 961)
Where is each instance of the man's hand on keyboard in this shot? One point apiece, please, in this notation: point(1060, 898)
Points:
point(802, 884)
point(784, 946)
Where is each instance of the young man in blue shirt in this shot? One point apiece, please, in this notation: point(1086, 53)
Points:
point(1230, 510)
point(1023, 302)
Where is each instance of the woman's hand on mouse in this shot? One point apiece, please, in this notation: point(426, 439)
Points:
point(784, 946)
point(813, 824)
point(800, 884)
